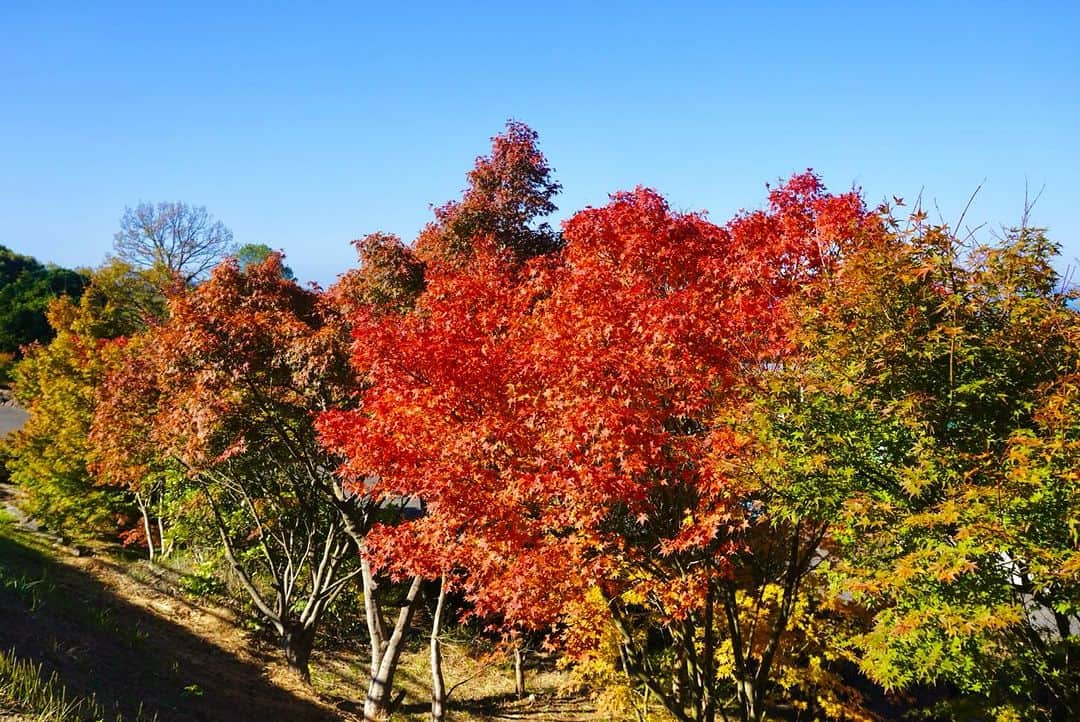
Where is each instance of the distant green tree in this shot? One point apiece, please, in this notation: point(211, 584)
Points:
point(26, 288)
point(252, 254)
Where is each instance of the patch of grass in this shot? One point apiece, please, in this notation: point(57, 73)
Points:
point(16, 577)
point(192, 690)
point(27, 588)
point(24, 573)
point(44, 699)
point(203, 582)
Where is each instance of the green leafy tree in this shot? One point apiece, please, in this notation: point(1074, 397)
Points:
point(26, 289)
point(935, 403)
point(252, 254)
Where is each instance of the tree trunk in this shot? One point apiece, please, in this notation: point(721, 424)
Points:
point(708, 672)
point(147, 529)
point(643, 713)
point(438, 685)
point(372, 614)
point(297, 642)
point(377, 706)
point(162, 549)
point(749, 698)
point(519, 671)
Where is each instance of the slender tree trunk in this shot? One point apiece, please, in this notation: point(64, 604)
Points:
point(162, 548)
point(438, 685)
point(147, 529)
point(643, 713)
point(519, 671)
point(372, 614)
point(297, 641)
point(750, 698)
point(161, 537)
point(378, 705)
point(679, 682)
point(708, 684)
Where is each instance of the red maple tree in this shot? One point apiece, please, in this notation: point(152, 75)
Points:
point(556, 417)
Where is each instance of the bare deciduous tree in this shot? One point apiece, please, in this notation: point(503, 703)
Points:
point(185, 239)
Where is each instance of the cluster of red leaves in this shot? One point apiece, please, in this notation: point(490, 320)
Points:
point(508, 190)
point(241, 348)
point(547, 412)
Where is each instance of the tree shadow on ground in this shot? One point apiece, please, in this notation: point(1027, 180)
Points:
point(496, 707)
point(99, 644)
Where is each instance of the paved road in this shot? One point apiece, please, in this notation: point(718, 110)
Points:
point(11, 418)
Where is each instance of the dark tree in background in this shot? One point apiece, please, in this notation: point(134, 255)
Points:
point(185, 239)
point(26, 288)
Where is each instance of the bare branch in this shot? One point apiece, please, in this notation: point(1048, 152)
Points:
point(184, 239)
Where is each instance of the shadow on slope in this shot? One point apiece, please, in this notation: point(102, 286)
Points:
point(97, 643)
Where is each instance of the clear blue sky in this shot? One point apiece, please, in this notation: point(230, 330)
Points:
point(304, 127)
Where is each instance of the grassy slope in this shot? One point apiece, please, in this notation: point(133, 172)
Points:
point(122, 631)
